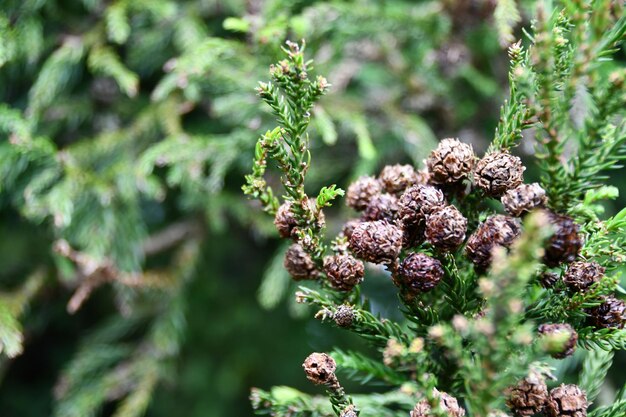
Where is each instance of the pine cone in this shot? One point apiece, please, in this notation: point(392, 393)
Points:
point(498, 172)
point(582, 275)
point(285, 221)
point(565, 243)
point(446, 401)
point(529, 396)
point(377, 242)
point(418, 202)
point(523, 199)
point(611, 314)
point(420, 272)
point(567, 401)
point(361, 192)
point(344, 316)
point(495, 230)
point(553, 334)
point(450, 162)
point(320, 369)
point(445, 228)
point(299, 263)
point(343, 271)
point(548, 279)
point(396, 178)
point(382, 207)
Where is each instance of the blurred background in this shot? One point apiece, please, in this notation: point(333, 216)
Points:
point(140, 277)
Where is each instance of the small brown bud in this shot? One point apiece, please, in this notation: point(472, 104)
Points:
point(396, 178)
point(548, 279)
point(344, 316)
point(565, 243)
point(559, 339)
point(418, 202)
point(523, 199)
point(611, 314)
point(349, 411)
point(567, 401)
point(450, 162)
point(361, 192)
point(497, 230)
point(377, 242)
point(320, 369)
point(445, 228)
point(299, 263)
point(420, 272)
point(446, 401)
point(498, 172)
point(529, 396)
point(382, 207)
point(285, 221)
point(343, 271)
point(582, 275)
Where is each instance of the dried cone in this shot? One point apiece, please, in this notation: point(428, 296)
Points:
point(498, 172)
point(361, 192)
point(611, 314)
point(497, 230)
point(396, 178)
point(285, 221)
point(377, 242)
point(560, 339)
point(446, 401)
point(343, 271)
point(344, 316)
point(382, 207)
point(445, 228)
point(349, 226)
point(418, 202)
point(420, 272)
point(565, 243)
point(529, 396)
point(299, 263)
point(320, 369)
point(450, 162)
point(582, 275)
point(567, 401)
point(523, 199)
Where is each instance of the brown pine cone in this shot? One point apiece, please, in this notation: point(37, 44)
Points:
point(286, 223)
point(377, 242)
point(523, 199)
point(567, 401)
point(420, 272)
point(299, 263)
point(565, 243)
point(529, 396)
point(497, 230)
point(320, 369)
point(343, 271)
point(445, 228)
point(450, 162)
point(553, 334)
point(361, 192)
point(582, 275)
point(344, 316)
point(611, 314)
point(396, 178)
point(382, 207)
point(418, 202)
point(446, 401)
point(498, 172)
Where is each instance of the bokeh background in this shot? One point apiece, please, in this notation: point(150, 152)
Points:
point(125, 130)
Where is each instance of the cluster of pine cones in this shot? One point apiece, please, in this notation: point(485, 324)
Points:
point(403, 208)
